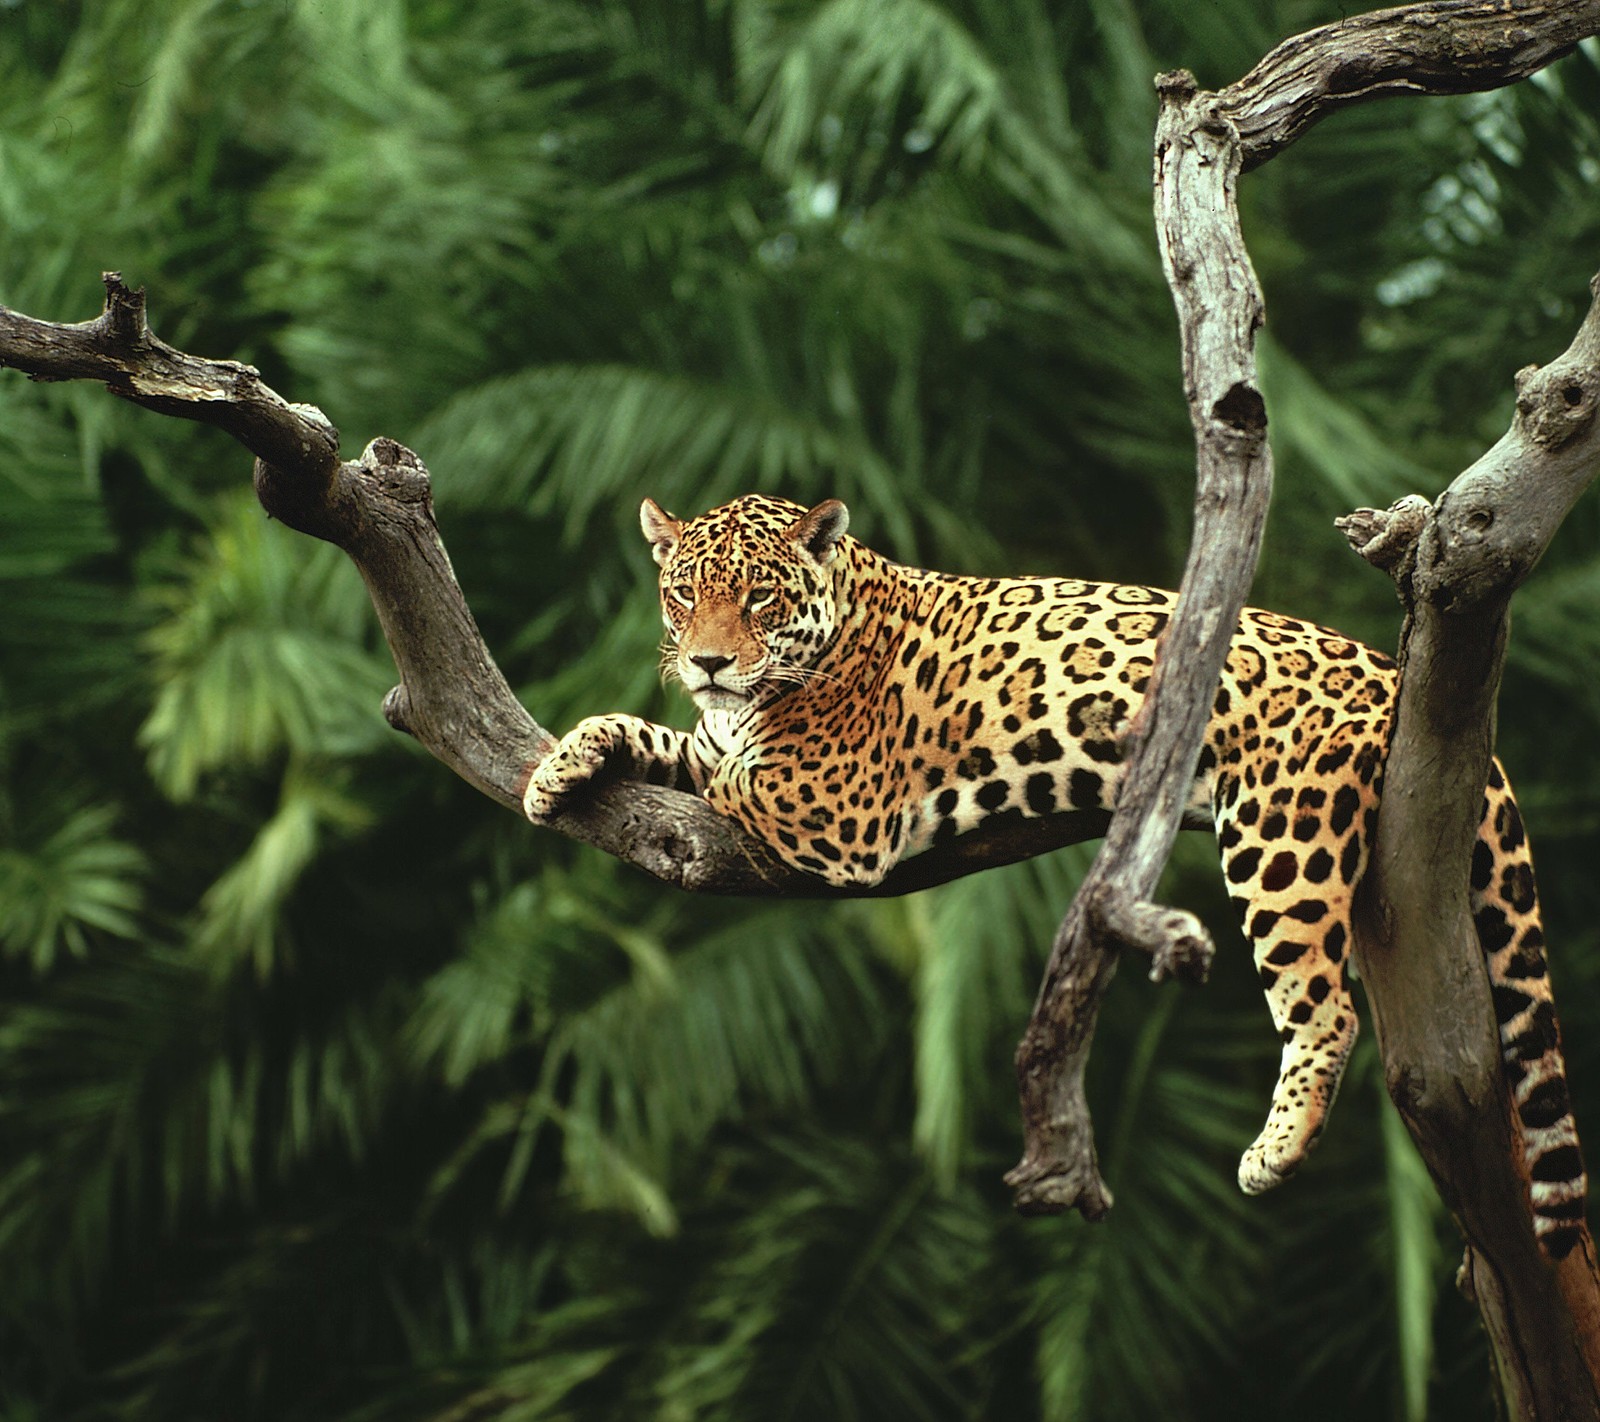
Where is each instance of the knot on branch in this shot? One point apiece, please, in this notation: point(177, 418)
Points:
point(397, 709)
point(1242, 409)
point(1387, 538)
point(123, 319)
point(1175, 940)
point(1177, 84)
point(398, 471)
point(318, 422)
point(300, 499)
point(1555, 404)
point(1061, 1178)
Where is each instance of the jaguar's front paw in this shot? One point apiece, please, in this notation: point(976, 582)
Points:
point(573, 764)
point(543, 798)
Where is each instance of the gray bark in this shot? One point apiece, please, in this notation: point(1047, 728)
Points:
point(452, 697)
point(1457, 564)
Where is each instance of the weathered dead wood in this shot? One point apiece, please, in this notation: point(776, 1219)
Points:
point(1203, 142)
point(1446, 47)
point(1220, 308)
point(1456, 565)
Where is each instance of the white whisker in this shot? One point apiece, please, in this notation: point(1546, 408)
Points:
point(668, 661)
point(793, 675)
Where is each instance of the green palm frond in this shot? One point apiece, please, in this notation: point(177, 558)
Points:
point(578, 437)
point(241, 916)
point(498, 993)
point(146, 1082)
point(1336, 442)
point(641, 1054)
point(543, 951)
point(259, 652)
point(754, 1012)
point(77, 883)
point(65, 637)
point(1414, 1225)
point(837, 1293)
point(751, 1016)
point(1556, 629)
point(1171, 1130)
point(975, 948)
point(624, 641)
point(1383, 1330)
point(74, 1062)
point(908, 78)
point(1497, 256)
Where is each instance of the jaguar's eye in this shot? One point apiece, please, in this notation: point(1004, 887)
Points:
point(683, 593)
point(759, 598)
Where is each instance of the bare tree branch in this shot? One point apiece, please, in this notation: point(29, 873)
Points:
point(1203, 142)
point(1445, 47)
point(1415, 940)
point(1220, 308)
point(118, 348)
point(452, 697)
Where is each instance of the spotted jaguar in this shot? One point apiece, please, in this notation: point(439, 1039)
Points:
point(855, 712)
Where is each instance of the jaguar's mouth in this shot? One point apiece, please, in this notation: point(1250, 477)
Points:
point(720, 698)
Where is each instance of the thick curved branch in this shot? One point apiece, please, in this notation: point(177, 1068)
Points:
point(1494, 522)
point(118, 348)
point(1446, 47)
point(1220, 309)
point(452, 697)
point(1460, 562)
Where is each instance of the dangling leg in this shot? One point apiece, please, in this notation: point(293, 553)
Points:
point(1292, 855)
point(1505, 908)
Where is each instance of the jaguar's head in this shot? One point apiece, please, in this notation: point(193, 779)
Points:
point(747, 594)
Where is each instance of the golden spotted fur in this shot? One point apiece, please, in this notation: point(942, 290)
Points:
point(855, 712)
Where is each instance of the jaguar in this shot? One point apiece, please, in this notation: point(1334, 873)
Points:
point(854, 712)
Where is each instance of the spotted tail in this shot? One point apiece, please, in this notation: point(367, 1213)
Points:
point(1505, 908)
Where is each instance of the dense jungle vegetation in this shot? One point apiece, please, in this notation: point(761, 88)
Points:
point(328, 1090)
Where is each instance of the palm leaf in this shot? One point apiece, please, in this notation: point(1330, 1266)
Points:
point(241, 916)
point(78, 884)
point(910, 72)
point(577, 438)
point(257, 654)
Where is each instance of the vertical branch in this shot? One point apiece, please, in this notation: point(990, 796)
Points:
point(1457, 565)
point(1197, 165)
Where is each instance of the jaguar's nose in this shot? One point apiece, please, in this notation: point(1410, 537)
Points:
point(711, 665)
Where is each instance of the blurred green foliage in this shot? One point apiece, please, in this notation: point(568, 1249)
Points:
point(330, 1091)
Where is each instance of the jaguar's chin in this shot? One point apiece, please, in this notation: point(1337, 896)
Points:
point(720, 698)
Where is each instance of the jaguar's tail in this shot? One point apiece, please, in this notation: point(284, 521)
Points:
point(1505, 907)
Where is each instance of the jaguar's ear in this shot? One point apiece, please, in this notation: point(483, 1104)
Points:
point(819, 531)
point(661, 529)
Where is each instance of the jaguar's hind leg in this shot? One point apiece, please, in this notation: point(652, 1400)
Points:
point(1505, 908)
point(1292, 855)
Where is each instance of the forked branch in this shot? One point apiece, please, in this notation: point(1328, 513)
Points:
point(1203, 142)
